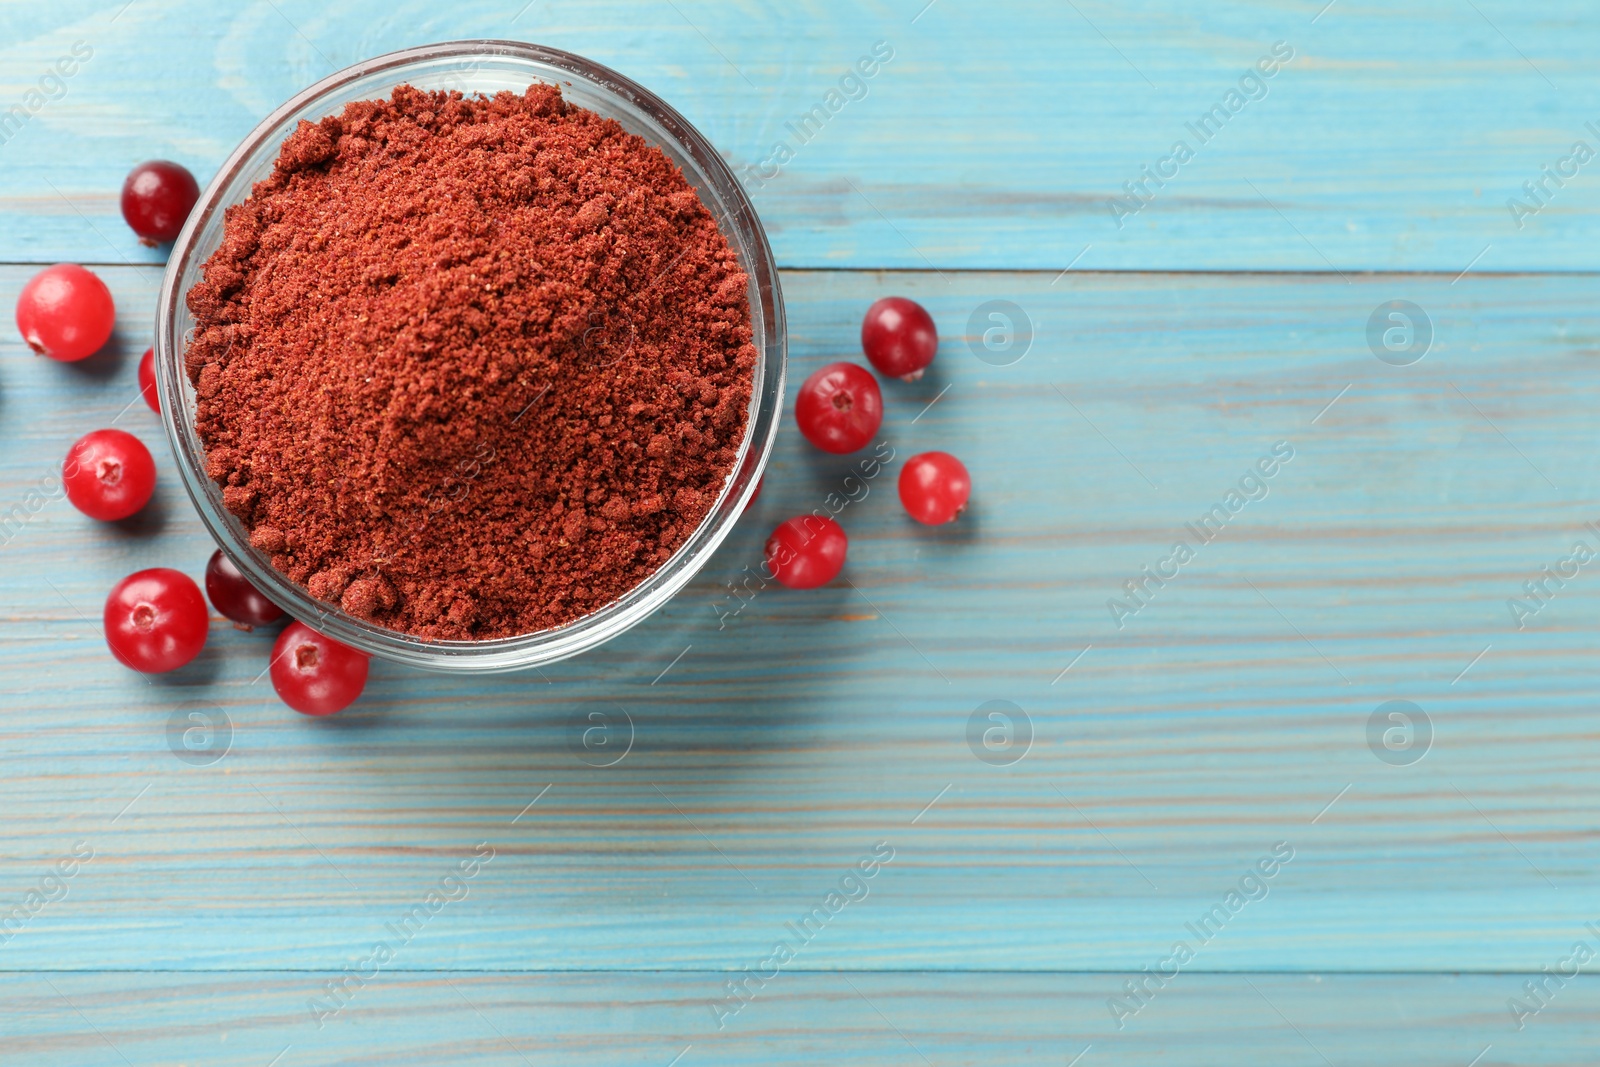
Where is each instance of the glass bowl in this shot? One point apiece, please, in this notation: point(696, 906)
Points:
point(477, 67)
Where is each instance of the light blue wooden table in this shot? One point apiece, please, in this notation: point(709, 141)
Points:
point(1422, 876)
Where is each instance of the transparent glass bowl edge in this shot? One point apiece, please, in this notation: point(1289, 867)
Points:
point(479, 66)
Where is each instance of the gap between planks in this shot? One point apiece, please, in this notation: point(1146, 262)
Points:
point(510, 973)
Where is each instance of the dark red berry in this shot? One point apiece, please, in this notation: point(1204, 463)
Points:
point(316, 675)
point(839, 407)
point(66, 312)
point(109, 475)
point(232, 594)
point(147, 380)
point(806, 551)
point(156, 620)
point(748, 504)
point(899, 337)
point(157, 198)
point(934, 487)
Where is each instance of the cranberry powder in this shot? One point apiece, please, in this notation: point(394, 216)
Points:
point(470, 367)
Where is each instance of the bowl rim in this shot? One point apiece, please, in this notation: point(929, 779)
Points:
point(749, 241)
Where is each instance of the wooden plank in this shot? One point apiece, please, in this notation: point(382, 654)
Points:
point(406, 1017)
point(995, 138)
point(774, 747)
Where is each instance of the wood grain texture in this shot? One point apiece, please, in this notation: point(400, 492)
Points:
point(774, 751)
point(110, 1020)
point(777, 739)
point(994, 139)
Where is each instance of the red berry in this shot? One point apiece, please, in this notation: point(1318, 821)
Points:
point(839, 408)
point(65, 312)
point(934, 487)
point(899, 337)
point(316, 675)
point(232, 594)
point(157, 198)
point(806, 551)
point(109, 475)
point(156, 620)
point(147, 380)
point(748, 504)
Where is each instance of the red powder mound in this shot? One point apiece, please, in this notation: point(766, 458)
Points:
point(470, 368)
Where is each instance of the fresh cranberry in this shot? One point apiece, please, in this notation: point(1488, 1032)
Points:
point(316, 675)
point(934, 487)
point(65, 312)
point(157, 198)
point(899, 337)
point(806, 551)
point(156, 620)
point(147, 380)
point(109, 475)
point(839, 408)
point(748, 504)
point(232, 594)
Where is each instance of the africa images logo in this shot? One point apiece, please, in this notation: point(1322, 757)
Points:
point(852, 887)
point(1252, 85)
point(852, 85)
